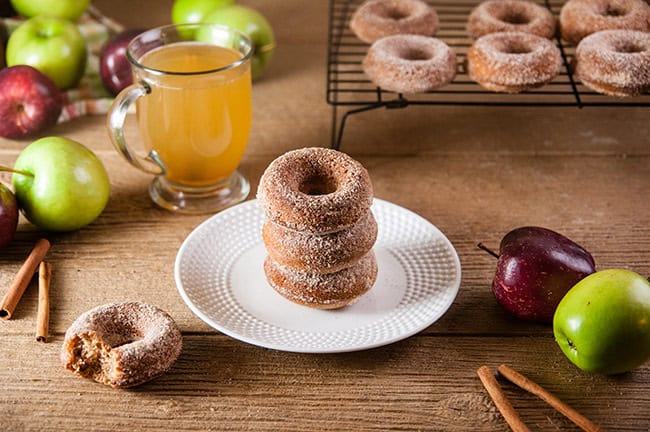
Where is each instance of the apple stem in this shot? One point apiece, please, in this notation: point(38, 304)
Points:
point(488, 250)
point(15, 171)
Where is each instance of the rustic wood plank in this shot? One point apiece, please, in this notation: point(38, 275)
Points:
point(424, 383)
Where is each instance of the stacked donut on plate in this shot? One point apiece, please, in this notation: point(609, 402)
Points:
point(403, 57)
point(319, 229)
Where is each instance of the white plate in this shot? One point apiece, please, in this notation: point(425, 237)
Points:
point(219, 275)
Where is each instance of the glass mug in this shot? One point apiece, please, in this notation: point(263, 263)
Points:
point(192, 91)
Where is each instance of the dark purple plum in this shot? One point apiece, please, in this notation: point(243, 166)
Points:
point(8, 215)
point(114, 67)
point(535, 269)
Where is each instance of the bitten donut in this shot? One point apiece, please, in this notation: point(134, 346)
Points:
point(580, 18)
point(315, 190)
point(320, 253)
point(323, 291)
point(122, 344)
point(410, 63)
point(494, 16)
point(376, 19)
point(512, 62)
point(615, 62)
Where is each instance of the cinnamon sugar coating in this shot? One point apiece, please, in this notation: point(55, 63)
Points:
point(315, 190)
point(323, 291)
point(121, 344)
point(513, 62)
point(320, 253)
point(376, 19)
point(410, 63)
point(494, 16)
point(615, 62)
point(580, 18)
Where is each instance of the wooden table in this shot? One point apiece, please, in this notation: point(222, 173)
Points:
point(475, 173)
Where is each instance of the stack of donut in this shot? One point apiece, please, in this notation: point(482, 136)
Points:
point(319, 229)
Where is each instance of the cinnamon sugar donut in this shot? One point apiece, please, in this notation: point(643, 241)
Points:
point(410, 63)
point(376, 19)
point(513, 62)
point(320, 253)
point(315, 190)
point(579, 18)
point(494, 16)
point(615, 62)
point(323, 291)
point(122, 344)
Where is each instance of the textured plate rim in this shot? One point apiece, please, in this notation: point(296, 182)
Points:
point(196, 232)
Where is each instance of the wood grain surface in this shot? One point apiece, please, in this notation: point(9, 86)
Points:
point(474, 172)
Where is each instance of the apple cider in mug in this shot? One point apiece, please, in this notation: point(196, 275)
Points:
point(198, 126)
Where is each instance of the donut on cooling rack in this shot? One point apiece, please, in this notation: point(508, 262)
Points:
point(315, 190)
point(512, 62)
point(410, 63)
point(376, 19)
point(615, 62)
point(320, 253)
point(510, 15)
point(323, 291)
point(580, 18)
point(122, 344)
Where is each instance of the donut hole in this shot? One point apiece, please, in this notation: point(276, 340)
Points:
point(415, 53)
point(628, 47)
point(514, 47)
point(396, 13)
point(612, 10)
point(318, 184)
point(515, 17)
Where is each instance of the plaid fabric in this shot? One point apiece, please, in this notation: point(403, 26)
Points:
point(90, 97)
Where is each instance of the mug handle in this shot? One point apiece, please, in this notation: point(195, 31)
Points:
point(150, 164)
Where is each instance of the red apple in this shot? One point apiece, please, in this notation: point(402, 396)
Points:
point(30, 102)
point(8, 215)
point(114, 67)
point(535, 269)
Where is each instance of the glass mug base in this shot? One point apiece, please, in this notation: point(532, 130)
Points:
point(202, 200)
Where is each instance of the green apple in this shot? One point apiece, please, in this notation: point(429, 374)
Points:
point(54, 46)
point(253, 24)
point(67, 9)
point(195, 11)
point(60, 185)
point(603, 323)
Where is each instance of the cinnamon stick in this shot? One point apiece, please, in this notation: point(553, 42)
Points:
point(21, 281)
point(500, 400)
point(532, 387)
point(43, 317)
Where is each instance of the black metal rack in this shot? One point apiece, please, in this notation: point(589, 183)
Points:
point(349, 87)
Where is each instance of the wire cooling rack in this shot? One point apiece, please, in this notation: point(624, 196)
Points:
point(349, 88)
